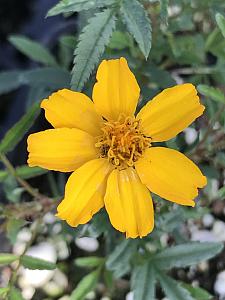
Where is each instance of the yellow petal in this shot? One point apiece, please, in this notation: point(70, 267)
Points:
point(62, 149)
point(129, 203)
point(170, 112)
point(170, 174)
point(84, 192)
point(66, 108)
point(116, 91)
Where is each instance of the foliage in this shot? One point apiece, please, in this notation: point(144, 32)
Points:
point(165, 42)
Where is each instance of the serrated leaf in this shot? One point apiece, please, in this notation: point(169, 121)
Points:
point(7, 258)
point(172, 289)
point(143, 282)
point(211, 92)
point(89, 262)
point(87, 284)
point(16, 133)
point(13, 227)
point(77, 6)
point(34, 263)
point(15, 294)
point(197, 293)
point(92, 41)
point(33, 50)
point(220, 20)
point(186, 254)
point(119, 260)
point(138, 24)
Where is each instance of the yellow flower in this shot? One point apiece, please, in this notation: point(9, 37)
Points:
point(112, 152)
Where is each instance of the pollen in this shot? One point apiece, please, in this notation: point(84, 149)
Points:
point(122, 142)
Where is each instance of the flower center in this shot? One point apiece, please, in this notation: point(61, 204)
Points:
point(122, 142)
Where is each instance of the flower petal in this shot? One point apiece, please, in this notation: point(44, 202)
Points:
point(170, 174)
point(129, 203)
point(116, 91)
point(84, 192)
point(66, 108)
point(62, 149)
point(170, 112)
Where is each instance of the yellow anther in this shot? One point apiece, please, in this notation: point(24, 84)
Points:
point(122, 141)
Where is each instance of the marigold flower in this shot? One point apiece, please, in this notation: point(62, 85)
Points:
point(111, 152)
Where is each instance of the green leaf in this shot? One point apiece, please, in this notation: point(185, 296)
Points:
point(211, 92)
point(15, 294)
point(143, 282)
point(196, 292)
point(92, 41)
point(24, 172)
point(34, 263)
point(186, 254)
point(33, 50)
point(138, 24)
point(10, 81)
point(173, 290)
point(13, 227)
point(27, 172)
point(164, 11)
point(89, 262)
point(54, 78)
point(7, 258)
point(220, 20)
point(87, 284)
point(77, 6)
point(119, 260)
point(17, 132)
point(3, 292)
point(120, 40)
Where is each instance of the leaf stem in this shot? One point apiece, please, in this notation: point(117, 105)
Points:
point(21, 181)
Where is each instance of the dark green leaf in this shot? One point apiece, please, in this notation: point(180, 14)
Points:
point(87, 284)
point(34, 263)
point(33, 50)
point(173, 290)
point(89, 262)
point(221, 23)
point(211, 92)
point(119, 260)
point(143, 282)
point(138, 24)
point(186, 254)
point(17, 132)
point(7, 258)
point(77, 6)
point(92, 41)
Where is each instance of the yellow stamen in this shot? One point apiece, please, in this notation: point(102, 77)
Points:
point(122, 141)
